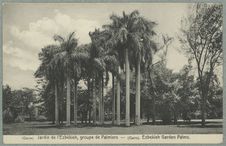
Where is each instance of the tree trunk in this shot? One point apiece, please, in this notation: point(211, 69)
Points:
point(75, 104)
point(174, 117)
point(148, 117)
point(205, 93)
point(127, 88)
point(153, 110)
point(82, 117)
point(68, 106)
point(87, 104)
point(61, 93)
point(89, 115)
point(203, 108)
point(94, 103)
point(86, 115)
point(153, 98)
point(203, 101)
point(118, 99)
point(56, 105)
point(102, 102)
point(137, 117)
point(113, 100)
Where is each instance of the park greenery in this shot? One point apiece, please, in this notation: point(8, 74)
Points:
point(116, 78)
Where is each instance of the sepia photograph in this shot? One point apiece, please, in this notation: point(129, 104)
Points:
point(112, 72)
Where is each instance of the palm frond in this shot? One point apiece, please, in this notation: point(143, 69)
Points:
point(58, 38)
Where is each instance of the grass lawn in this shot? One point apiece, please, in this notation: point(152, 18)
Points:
point(46, 128)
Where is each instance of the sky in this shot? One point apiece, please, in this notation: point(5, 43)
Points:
point(29, 27)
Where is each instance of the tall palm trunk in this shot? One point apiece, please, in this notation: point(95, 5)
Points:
point(153, 111)
point(68, 105)
point(118, 99)
point(75, 104)
point(127, 88)
point(113, 100)
point(137, 117)
point(90, 96)
point(94, 103)
point(102, 102)
point(56, 105)
point(61, 95)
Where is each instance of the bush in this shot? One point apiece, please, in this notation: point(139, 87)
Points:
point(165, 111)
point(41, 118)
point(19, 119)
point(7, 116)
point(166, 117)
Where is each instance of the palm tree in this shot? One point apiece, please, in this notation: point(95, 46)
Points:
point(136, 32)
point(113, 61)
point(125, 35)
point(103, 61)
point(79, 58)
point(83, 66)
point(49, 70)
point(112, 65)
point(67, 46)
point(144, 46)
point(96, 66)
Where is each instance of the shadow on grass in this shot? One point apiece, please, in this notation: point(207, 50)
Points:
point(88, 126)
point(179, 124)
point(200, 126)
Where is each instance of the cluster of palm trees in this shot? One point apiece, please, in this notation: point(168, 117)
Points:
point(124, 45)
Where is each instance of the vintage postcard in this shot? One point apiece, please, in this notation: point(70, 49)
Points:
point(112, 73)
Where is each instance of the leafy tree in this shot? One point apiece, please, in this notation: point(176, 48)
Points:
point(165, 90)
point(7, 104)
point(201, 39)
point(18, 102)
point(154, 71)
point(215, 98)
point(7, 96)
point(187, 92)
point(48, 98)
point(84, 104)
